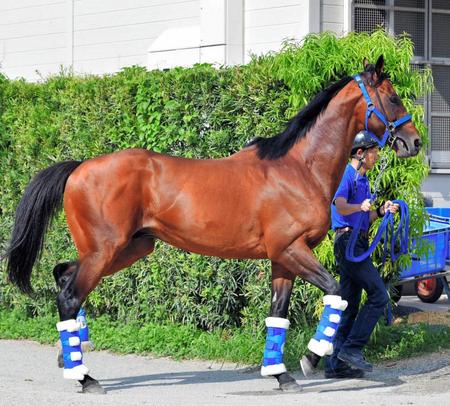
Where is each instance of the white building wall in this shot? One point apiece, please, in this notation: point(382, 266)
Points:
point(102, 36)
point(33, 36)
point(270, 22)
point(332, 16)
point(218, 39)
point(91, 36)
point(111, 34)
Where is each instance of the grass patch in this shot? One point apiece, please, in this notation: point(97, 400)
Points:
point(404, 341)
point(244, 347)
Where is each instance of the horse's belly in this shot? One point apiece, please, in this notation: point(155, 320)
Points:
point(213, 239)
point(236, 252)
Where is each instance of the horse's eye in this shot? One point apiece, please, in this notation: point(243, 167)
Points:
point(394, 99)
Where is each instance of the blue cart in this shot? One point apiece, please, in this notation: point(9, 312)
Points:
point(430, 272)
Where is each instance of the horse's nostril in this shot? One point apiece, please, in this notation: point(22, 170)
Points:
point(417, 143)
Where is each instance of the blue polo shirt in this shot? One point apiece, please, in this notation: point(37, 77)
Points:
point(354, 193)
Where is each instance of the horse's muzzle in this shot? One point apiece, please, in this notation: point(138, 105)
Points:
point(407, 147)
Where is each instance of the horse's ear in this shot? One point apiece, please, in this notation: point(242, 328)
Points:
point(379, 66)
point(365, 63)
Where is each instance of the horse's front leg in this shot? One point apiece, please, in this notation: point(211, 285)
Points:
point(299, 259)
point(277, 325)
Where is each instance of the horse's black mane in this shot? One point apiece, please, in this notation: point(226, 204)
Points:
point(278, 146)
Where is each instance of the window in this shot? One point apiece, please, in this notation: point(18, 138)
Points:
point(428, 24)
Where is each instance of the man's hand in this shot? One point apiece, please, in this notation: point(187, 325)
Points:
point(389, 206)
point(365, 205)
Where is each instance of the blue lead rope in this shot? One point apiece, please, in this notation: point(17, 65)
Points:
point(387, 228)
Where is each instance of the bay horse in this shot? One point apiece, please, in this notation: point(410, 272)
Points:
point(270, 200)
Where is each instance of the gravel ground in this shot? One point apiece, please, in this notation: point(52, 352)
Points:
point(29, 375)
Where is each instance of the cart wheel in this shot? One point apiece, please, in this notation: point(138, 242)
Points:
point(396, 293)
point(429, 290)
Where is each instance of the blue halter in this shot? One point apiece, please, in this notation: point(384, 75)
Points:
point(391, 126)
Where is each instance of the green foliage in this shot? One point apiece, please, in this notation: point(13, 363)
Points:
point(403, 341)
point(195, 112)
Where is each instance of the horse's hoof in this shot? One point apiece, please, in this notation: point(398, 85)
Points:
point(291, 387)
point(308, 364)
point(288, 383)
point(93, 387)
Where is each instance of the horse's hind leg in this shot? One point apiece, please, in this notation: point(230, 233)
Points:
point(277, 324)
point(69, 303)
point(91, 267)
point(137, 248)
point(62, 272)
point(78, 279)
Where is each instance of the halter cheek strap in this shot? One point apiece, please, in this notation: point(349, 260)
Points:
point(391, 126)
point(361, 160)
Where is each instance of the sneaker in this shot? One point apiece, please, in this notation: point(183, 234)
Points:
point(344, 373)
point(356, 360)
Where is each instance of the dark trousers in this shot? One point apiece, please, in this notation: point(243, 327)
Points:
point(357, 324)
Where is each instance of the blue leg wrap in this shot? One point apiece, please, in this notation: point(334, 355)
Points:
point(273, 352)
point(322, 342)
point(71, 349)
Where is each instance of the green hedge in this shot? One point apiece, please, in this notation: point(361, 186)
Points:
point(195, 112)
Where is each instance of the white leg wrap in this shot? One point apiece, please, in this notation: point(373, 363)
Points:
point(321, 348)
point(76, 373)
point(68, 325)
point(277, 322)
point(335, 302)
point(271, 370)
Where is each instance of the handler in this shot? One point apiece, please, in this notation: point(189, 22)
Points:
point(351, 200)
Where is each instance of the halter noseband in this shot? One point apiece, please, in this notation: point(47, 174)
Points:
point(391, 126)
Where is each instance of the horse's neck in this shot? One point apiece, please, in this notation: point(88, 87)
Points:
point(326, 147)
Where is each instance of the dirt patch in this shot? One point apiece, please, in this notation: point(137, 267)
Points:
point(433, 318)
point(424, 375)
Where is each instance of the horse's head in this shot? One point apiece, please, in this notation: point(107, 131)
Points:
point(382, 112)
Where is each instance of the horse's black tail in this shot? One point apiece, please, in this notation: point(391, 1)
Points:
point(42, 199)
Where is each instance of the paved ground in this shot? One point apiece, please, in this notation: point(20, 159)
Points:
point(28, 375)
point(441, 305)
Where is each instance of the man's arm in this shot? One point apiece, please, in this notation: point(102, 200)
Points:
point(373, 215)
point(344, 208)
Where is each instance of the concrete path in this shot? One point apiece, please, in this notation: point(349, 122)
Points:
point(29, 376)
point(441, 305)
